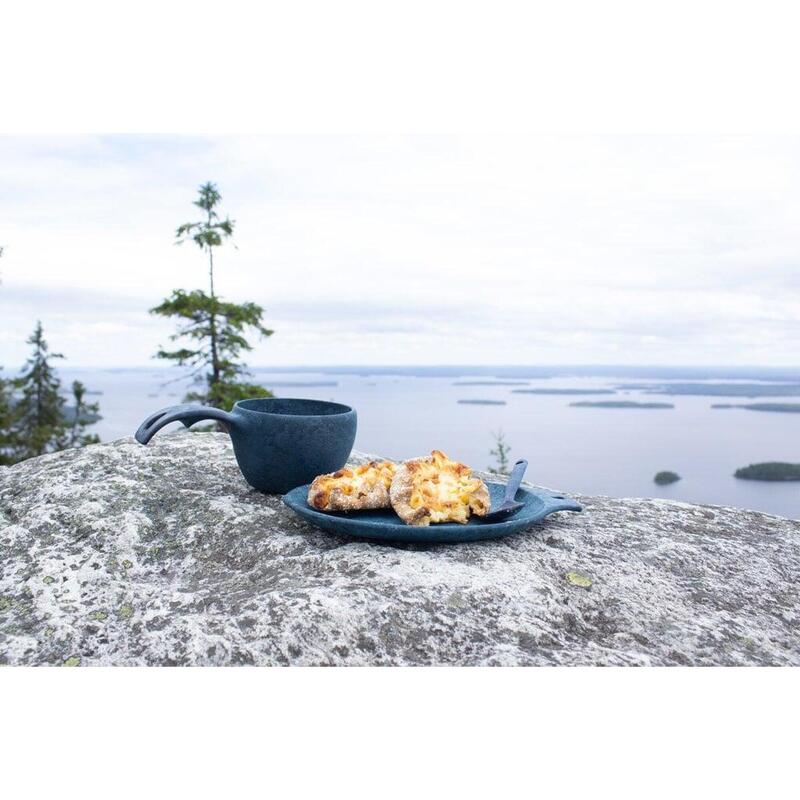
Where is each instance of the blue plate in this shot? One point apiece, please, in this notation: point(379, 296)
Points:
point(385, 525)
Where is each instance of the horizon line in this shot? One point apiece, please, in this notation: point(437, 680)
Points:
point(453, 365)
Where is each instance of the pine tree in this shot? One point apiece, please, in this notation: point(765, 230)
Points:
point(6, 437)
point(500, 452)
point(212, 330)
point(85, 414)
point(38, 416)
point(6, 433)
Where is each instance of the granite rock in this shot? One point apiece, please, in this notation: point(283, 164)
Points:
point(119, 554)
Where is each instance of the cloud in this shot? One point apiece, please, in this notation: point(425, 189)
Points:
point(414, 249)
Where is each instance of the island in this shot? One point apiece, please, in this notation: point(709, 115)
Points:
point(699, 389)
point(87, 418)
point(783, 408)
point(300, 384)
point(482, 402)
point(769, 471)
point(563, 391)
point(618, 404)
point(666, 477)
point(491, 383)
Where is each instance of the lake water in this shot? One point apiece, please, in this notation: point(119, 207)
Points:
point(404, 413)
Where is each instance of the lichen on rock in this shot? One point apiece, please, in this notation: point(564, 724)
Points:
point(164, 555)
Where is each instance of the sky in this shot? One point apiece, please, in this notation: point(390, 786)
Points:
point(413, 250)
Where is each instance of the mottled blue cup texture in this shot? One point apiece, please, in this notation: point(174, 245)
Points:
point(279, 443)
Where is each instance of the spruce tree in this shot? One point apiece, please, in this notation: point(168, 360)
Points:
point(39, 422)
point(85, 414)
point(500, 451)
point(212, 330)
point(6, 433)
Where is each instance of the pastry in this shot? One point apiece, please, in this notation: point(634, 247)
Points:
point(436, 489)
point(353, 488)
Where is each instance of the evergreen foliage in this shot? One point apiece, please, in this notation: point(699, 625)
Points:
point(84, 414)
point(211, 331)
point(38, 423)
point(34, 417)
point(500, 451)
point(6, 435)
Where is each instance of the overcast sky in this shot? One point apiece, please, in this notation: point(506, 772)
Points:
point(502, 250)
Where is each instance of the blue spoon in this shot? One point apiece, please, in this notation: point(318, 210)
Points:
point(509, 506)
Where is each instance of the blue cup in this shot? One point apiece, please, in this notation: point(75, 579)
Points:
point(279, 443)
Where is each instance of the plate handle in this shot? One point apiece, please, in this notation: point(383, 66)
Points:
point(558, 502)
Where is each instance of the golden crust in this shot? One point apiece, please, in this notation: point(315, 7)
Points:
point(353, 489)
point(436, 489)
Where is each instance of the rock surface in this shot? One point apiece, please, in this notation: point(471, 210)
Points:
point(126, 555)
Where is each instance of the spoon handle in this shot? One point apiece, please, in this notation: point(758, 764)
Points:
point(515, 479)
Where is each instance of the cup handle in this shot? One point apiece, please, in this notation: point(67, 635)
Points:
point(188, 414)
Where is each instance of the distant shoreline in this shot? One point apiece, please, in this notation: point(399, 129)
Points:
point(553, 392)
point(780, 408)
point(500, 372)
point(619, 404)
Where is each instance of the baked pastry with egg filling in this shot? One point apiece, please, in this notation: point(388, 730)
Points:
point(436, 489)
point(353, 488)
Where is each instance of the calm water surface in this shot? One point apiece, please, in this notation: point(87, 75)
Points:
point(584, 450)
